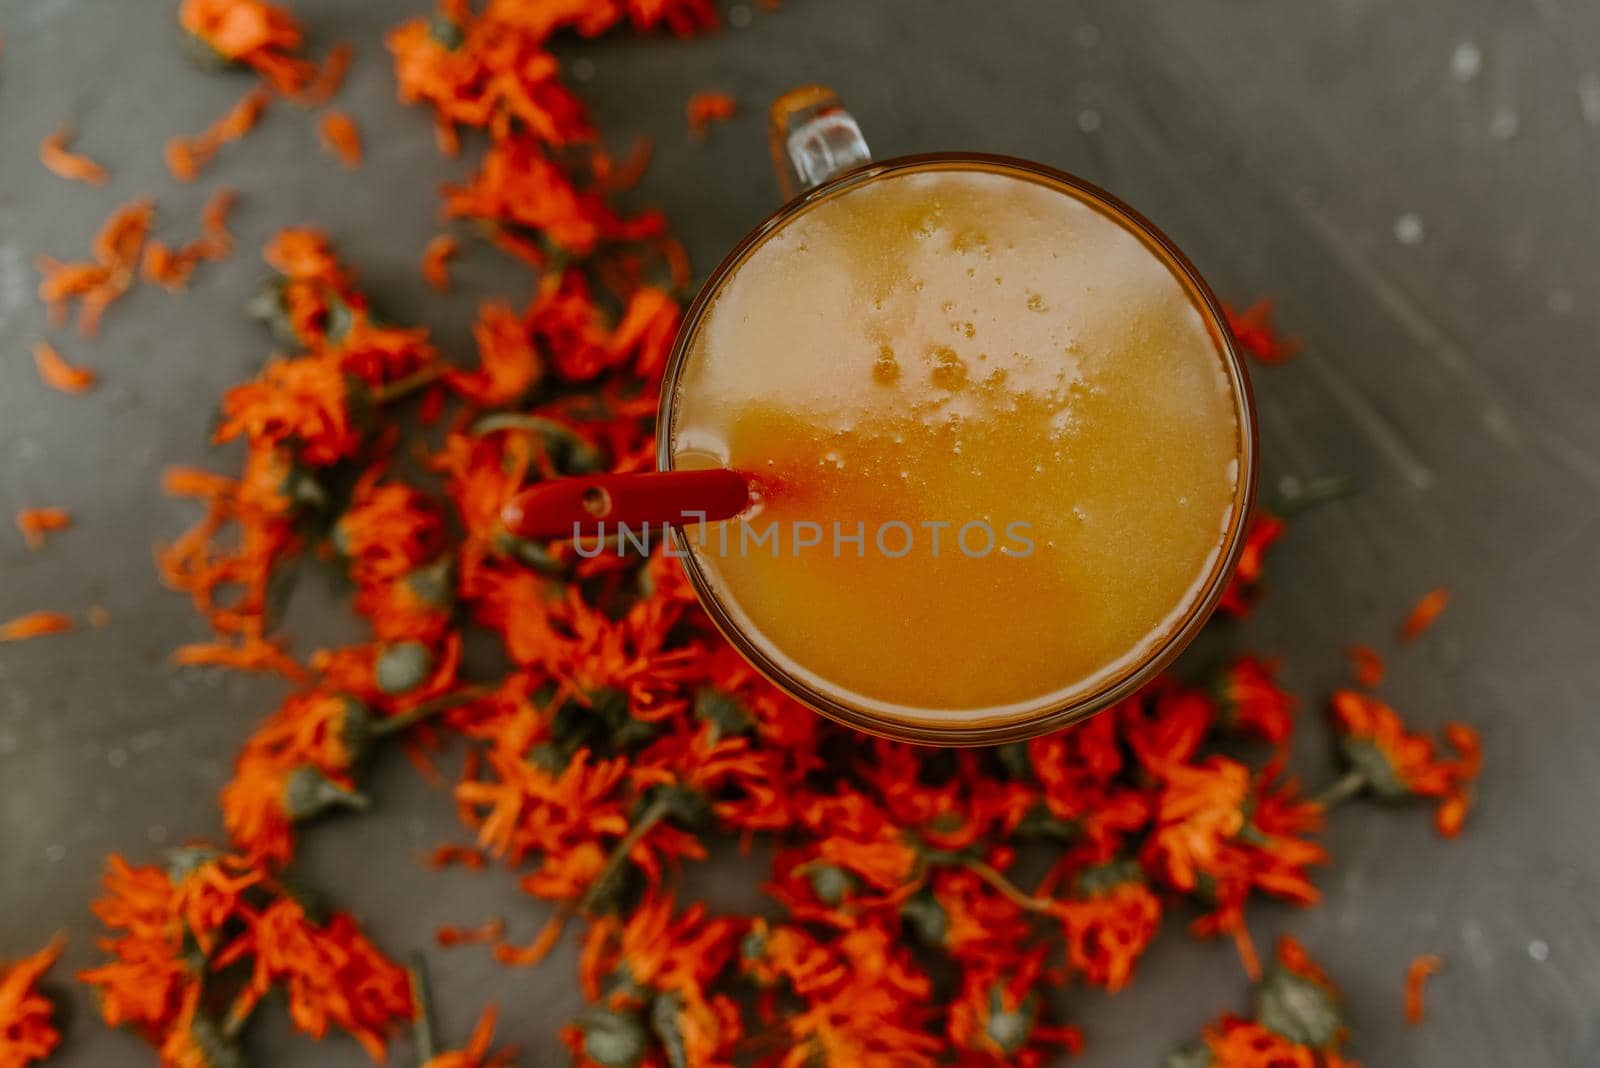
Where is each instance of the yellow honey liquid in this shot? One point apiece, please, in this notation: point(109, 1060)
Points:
point(965, 346)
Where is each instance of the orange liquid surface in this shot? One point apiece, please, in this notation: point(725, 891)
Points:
point(978, 349)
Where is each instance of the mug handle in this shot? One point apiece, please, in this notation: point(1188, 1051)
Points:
point(812, 138)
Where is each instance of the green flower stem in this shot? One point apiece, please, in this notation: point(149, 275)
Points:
point(404, 387)
point(1310, 494)
point(422, 1000)
point(1341, 789)
point(427, 710)
point(652, 815)
point(1007, 888)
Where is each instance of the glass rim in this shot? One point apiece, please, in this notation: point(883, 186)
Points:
point(1053, 714)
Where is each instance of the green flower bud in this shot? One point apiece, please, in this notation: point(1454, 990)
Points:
point(449, 33)
point(614, 1039)
point(1009, 1029)
point(434, 584)
point(1361, 755)
point(402, 667)
point(1104, 878)
point(926, 918)
point(727, 716)
point(831, 884)
point(308, 793)
point(1299, 1009)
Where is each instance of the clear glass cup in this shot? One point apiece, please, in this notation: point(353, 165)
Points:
point(819, 152)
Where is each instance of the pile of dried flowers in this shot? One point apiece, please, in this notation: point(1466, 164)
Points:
point(923, 903)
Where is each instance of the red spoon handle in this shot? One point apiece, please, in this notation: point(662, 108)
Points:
point(568, 507)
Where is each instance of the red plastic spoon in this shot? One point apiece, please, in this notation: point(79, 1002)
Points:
point(569, 507)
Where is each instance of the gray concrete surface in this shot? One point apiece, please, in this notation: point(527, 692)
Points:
point(1450, 366)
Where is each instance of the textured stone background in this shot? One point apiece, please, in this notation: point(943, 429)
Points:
point(1416, 184)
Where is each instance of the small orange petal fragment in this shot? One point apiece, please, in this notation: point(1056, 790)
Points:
point(533, 952)
point(166, 266)
point(1367, 664)
point(119, 240)
point(29, 1020)
point(448, 855)
point(340, 135)
point(1426, 611)
point(186, 155)
point(1246, 948)
point(487, 933)
point(436, 261)
point(1417, 975)
point(243, 116)
point(331, 75)
point(217, 242)
point(58, 374)
point(61, 162)
point(35, 523)
point(35, 625)
point(706, 108)
point(248, 654)
point(1255, 333)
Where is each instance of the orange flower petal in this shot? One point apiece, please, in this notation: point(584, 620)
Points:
point(447, 855)
point(1421, 617)
point(35, 625)
point(58, 374)
point(341, 137)
point(1253, 331)
point(1416, 975)
point(706, 108)
point(36, 522)
point(489, 932)
point(331, 75)
point(218, 241)
point(533, 952)
point(1367, 664)
point(436, 260)
point(62, 163)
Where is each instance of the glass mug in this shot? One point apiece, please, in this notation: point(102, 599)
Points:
point(821, 157)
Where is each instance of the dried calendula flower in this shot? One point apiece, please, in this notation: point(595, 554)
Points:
point(617, 738)
point(1251, 702)
point(1394, 764)
point(254, 33)
point(195, 949)
point(1298, 1022)
point(1109, 921)
point(28, 1031)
